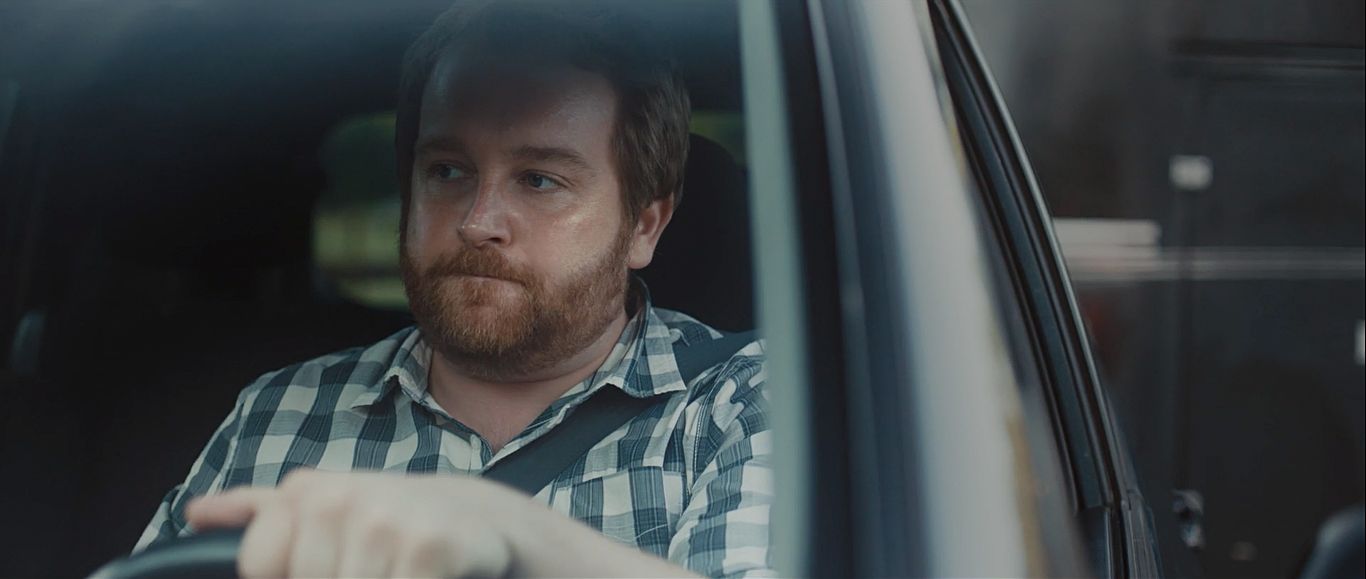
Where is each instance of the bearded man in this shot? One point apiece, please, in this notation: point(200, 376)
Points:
point(541, 150)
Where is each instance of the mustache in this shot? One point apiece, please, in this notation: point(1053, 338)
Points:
point(475, 262)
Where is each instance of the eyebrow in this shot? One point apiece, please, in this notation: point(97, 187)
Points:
point(552, 155)
point(543, 154)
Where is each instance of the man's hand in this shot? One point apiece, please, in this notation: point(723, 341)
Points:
point(319, 524)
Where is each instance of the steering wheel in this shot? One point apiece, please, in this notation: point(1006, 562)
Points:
point(212, 555)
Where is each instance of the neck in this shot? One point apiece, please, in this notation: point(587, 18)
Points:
point(501, 409)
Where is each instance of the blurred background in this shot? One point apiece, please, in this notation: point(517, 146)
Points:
point(1204, 163)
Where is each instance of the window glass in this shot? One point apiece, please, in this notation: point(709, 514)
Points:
point(196, 194)
point(355, 223)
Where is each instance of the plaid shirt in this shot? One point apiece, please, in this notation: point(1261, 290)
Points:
point(689, 480)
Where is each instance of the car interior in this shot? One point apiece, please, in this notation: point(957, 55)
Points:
point(162, 180)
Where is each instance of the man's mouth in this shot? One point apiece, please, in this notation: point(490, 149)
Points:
point(478, 277)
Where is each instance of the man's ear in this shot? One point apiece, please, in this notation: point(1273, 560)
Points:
point(648, 227)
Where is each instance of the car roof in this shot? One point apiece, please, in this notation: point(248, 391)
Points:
point(182, 119)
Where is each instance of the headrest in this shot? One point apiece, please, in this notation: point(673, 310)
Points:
point(702, 265)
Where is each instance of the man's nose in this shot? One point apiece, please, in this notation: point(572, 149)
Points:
point(486, 222)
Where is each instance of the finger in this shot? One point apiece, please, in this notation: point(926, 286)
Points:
point(268, 541)
point(422, 554)
point(229, 510)
point(368, 547)
point(318, 528)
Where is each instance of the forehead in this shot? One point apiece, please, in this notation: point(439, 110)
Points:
point(552, 101)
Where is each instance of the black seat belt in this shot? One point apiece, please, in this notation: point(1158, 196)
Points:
point(532, 467)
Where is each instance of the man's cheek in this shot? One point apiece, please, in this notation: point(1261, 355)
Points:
point(433, 228)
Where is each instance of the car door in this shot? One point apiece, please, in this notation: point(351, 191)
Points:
point(893, 168)
point(914, 442)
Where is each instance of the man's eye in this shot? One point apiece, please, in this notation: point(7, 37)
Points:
point(540, 182)
point(446, 172)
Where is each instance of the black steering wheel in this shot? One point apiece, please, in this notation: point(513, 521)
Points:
point(212, 555)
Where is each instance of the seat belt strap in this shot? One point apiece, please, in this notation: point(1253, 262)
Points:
point(534, 466)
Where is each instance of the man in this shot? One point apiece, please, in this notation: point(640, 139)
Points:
point(541, 151)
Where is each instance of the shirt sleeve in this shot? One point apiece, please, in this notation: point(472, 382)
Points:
point(724, 527)
point(206, 475)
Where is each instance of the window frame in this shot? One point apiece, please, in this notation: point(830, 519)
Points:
point(1105, 497)
point(886, 384)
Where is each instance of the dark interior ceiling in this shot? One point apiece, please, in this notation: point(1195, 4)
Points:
point(180, 120)
point(190, 47)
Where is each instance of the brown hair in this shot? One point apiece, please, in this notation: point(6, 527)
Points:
point(651, 133)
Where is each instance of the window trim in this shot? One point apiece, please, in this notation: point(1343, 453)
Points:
point(799, 314)
point(919, 299)
point(1117, 509)
point(1006, 182)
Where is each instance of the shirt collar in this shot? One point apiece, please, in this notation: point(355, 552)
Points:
point(641, 364)
point(407, 370)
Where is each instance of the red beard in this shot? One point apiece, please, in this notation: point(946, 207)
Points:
point(514, 323)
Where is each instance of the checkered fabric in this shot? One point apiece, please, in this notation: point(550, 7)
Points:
point(689, 479)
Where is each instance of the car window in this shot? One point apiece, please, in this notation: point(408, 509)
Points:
point(223, 205)
point(226, 205)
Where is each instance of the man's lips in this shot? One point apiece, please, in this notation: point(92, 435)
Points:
point(482, 277)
